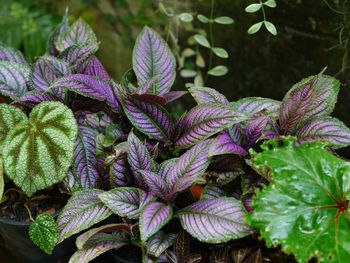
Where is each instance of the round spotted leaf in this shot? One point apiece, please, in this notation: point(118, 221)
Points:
point(38, 152)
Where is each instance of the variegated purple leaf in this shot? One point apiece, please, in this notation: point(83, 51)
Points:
point(254, 129)
point(149, 118)
point(189, 167)
point(212, 191)
point(138, 155)
point(166, 166)
point(156, 184)
point(236, 133)
point(271, 130)
point(12, 55)
point(325, 129)
point(252, 105)
point(145, 198)
point(96, 120)
point(94, 67)
point(103, 243)
point(114, 99)
point(83, 210)
point(123, 201)
point(153, 217)
point(84, 238)
point(119, 172)
point(77, 55)
point(46, 70)
point(84, 163)
point(223, 144)
point(215, 220)
point(148, 97)
point(160, 242)
point(89, 86)
point(79, 33)
point(153, 58)
point(294, 106)
point(35, 97)
point(173, 95)
point(207, 95)
point(324, 92)
point(205, 120)
point(60, 29)
point(14, 78)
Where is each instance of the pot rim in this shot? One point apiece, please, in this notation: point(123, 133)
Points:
point(16, 222)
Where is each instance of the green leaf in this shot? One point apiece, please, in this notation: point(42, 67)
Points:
point(254, 28)
point(43, 232)
point(188, 73)
point(2, 183)
point(218, 71)
point(185, 17)
point(271, 3)
point(10, 116)
point(38, 152)
point(220, 52)
point(224, 20)
point(202, 40)
point(270, 27)
point(305, 208)
point(253, 8)
point(203, 18)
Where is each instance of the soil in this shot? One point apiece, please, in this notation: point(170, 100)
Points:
point(48, 201)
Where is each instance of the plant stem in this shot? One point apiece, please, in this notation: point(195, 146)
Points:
point(29, 213)
point(263, 10)
point(211, 38)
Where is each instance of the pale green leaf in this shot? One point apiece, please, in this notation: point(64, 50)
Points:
point(220, 52)
point(43, 232)
point(270, 3)
point(253, 8)
point(218, 71)
point(202, 40)
point(254, 28)
point(188, 73)
point(224, 20)
point(203, 18)
point(38, 152)
point(185, 17)
point(270, 27)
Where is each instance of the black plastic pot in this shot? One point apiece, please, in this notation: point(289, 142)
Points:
point(17, 242)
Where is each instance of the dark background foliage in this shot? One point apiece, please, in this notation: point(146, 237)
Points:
point(312, 34)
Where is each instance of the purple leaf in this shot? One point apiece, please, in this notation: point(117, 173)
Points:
point(149, 118)
point(212, 191)
point(123, 201)
point(153, 58)
point(94, 67)
point(252, 105)
point(207, 95)
point(35, 97)
point(14, 79)
point(325, 129)
point(76, 56)
point(160, 242)
point(156, 184)
point(98, 245)
point(96, 120)
point(153, 217)
point(236, 133)
point(89, 86)
point(84, 165)
point(12, 55)
point(324, 91)
point(119, 173)
point(173, 95)
point(254, 129)
point(166, 166)
point(223, 144)
point(114, 99)
point(46, 70)
point(205, 120)
point(150, 98)
point(145, 198)
point(293, 107)
point(215, 220)
point(83, 210)
point(189, 167)
point(79, 33)
point(60, 29)
point(271, 130)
